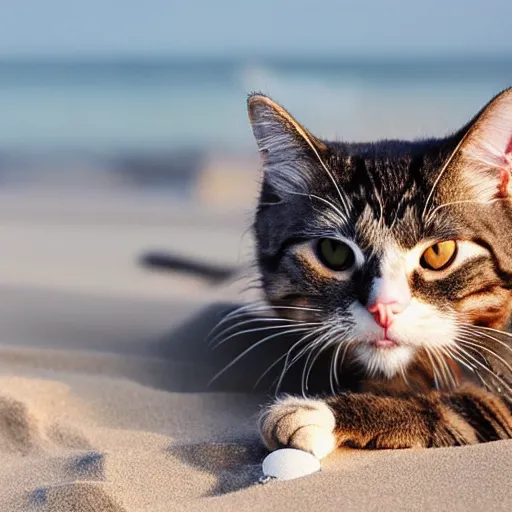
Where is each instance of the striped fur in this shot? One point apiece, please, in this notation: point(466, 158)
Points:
point(378, 421)
point(447, 378)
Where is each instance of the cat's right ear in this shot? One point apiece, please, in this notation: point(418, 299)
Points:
point(288, 151)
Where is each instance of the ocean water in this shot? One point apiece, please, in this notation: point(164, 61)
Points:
point(119, 108)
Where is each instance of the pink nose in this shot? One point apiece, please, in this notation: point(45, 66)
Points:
point(384, 312)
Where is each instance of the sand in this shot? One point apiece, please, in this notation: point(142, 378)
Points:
point(104, 370)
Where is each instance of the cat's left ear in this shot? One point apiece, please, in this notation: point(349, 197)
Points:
point(484, 153)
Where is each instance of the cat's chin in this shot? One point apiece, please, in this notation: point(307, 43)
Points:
point(385, 357)
point(385, 344)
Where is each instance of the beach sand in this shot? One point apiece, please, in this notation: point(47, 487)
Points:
point(104, 370)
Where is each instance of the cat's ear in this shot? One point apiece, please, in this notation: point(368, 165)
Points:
point(484, 153)
point(287, 149)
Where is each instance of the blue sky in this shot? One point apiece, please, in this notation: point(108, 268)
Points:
point(219, 27)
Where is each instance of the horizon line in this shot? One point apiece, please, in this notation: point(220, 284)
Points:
point(253, 57)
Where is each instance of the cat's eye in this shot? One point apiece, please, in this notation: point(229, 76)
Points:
point(334, 254)
point(439, 256)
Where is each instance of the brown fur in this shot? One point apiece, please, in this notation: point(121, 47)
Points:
point(381, 421)
point(424, 420)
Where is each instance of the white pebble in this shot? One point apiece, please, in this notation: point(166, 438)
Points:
point(289, 463)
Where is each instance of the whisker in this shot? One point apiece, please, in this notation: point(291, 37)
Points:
point(334, 367)
point(442, 171)
point(484, 382)
point(252, 347)
point(442, 369)
point(273, 365)
point(482, 328)
point(343, 343)
point(240, 311)
point(300, 308)
point(434, 368)
point(286, 356)
point(457, 356)
point(329, 203)
point(459, 359)
point(403, 374)
point(489, 351)
point(343, 198)
point(259, 329)
point(447, 372)
point(348, 342)
point(324, 346)
point(249, 321)
point(449, 355)
point(343, 217)
point(467, 201)
point(477, 331)
point(311, 350)
point(261, 305)
point(484, 367)
point(287, 366)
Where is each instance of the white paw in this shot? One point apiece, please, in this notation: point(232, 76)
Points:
point(301, 423)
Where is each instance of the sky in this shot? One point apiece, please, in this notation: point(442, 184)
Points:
point(342, 28)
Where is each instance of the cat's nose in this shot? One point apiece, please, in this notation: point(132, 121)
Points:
point(388, 298)
point(384, 312)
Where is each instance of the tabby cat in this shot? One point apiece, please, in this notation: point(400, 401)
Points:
point(397, 256)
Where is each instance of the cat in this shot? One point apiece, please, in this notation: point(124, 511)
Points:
point(397, 257)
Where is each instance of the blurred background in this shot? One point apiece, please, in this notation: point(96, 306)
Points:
point(152, 95)
point(123, 125)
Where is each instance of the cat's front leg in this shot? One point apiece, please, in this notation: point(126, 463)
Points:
point(360, 420)
point(301, 423)
point(366, 420)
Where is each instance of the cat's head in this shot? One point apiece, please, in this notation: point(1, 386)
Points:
point(394, 246)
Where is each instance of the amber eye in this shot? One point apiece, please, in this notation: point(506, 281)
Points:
point(335, 255)
point(439, 256)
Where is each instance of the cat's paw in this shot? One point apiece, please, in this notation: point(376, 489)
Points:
point(301, 423)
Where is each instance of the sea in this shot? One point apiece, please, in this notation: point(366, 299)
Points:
point(166, 114)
